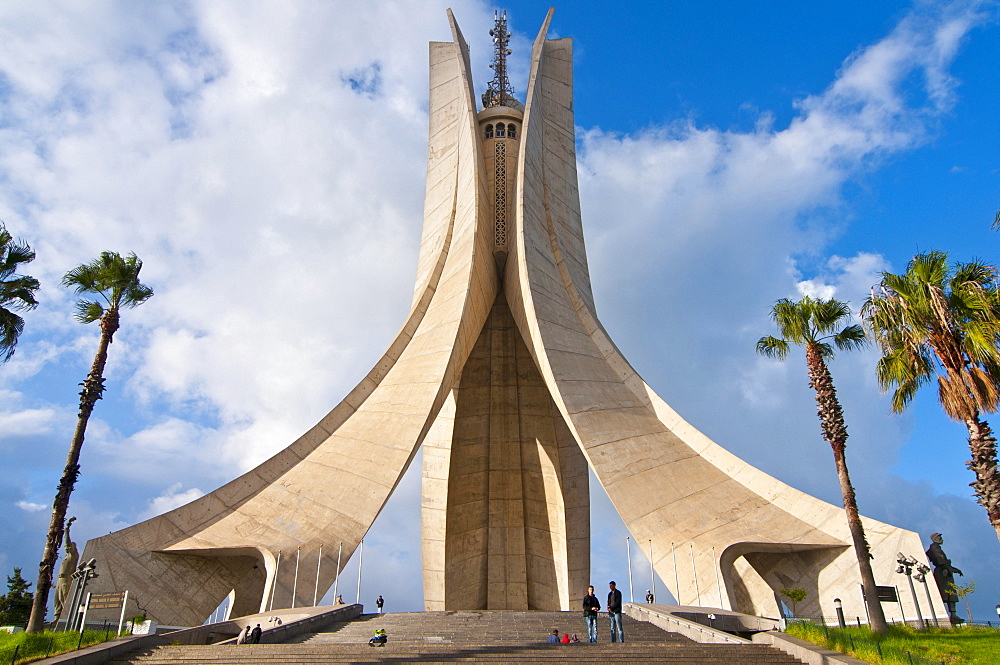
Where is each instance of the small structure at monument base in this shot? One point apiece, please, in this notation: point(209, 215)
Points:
point(504, 373)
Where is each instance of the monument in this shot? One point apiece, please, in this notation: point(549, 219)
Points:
point(66, 570)
point(505, 376)
point(944, 576)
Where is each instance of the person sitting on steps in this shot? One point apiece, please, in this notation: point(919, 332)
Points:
point(379, 638)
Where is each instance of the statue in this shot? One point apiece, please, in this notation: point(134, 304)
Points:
point(944, 575)
point(66, 571)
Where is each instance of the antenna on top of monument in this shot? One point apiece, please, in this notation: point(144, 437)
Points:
point(499, 92)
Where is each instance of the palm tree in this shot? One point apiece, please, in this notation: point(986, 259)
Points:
point(937, 322)
point(813, 323)
point(17, 292)
point(114, 281)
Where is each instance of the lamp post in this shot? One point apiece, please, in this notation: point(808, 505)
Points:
point(921, 576)
point(361, 560)
point(839, 605)
point(628, 555)
point(905, 567)
point(319, 562)
point(336, 579)
point(652, 575)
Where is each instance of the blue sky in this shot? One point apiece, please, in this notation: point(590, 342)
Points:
point(266, 161)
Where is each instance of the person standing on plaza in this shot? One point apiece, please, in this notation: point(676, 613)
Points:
point(615, 613)
point(649, 596)
point(379, 602)
point(591, 606)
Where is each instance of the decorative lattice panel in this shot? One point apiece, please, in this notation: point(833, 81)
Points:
point(500, 193)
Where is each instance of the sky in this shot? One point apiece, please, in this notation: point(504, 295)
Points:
point(266, 162)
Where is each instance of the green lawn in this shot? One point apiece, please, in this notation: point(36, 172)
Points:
point(966, 645)
point(36, 645)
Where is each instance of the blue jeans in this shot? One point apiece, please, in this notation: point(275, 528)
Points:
point(617, 634)
point(591, 627)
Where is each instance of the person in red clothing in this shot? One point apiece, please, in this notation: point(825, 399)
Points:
point(565, 639)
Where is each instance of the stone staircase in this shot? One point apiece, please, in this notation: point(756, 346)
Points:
point(473, 636)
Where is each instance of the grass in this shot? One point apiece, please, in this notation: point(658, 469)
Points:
point(32, 646)
point(970, 645)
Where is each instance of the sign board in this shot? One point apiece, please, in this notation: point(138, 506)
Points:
point(887, 594)
point(106, 601)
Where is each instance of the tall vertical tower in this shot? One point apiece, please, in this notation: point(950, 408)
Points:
point(506, 509)
point(504, 374)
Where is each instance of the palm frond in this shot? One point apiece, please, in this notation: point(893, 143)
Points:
point(772, 347)
point(88, 311)
point(808, 322)
point(938, 320)
point(11, 327)
point(828, 315)
point(135, 295)
point(112, 278)
point(19, 293)
point(903, 395)
point(792, 319)
point(850, 338)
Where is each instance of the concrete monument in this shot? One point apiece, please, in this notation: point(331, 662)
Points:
point(504, 374)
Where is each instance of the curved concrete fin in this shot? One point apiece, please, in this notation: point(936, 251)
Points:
point(328, 486)
point(674, 488)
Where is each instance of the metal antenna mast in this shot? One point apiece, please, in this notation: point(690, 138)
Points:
point(499, 92)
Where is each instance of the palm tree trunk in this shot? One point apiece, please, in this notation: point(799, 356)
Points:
point(93, 387)
point(831, 417)
point(984, 465)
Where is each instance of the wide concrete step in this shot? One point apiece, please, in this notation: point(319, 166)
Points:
point(460, 637)
point(480, 628)
point(547, 653)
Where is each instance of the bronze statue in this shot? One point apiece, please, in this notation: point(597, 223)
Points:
point(66, 571)
point(944, 575)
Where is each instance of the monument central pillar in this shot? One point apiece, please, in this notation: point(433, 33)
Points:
point(507, 482)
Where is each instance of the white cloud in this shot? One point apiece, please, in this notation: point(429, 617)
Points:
point(847, 279)
point(31, 507)
point(28, 422)
point(174, 497)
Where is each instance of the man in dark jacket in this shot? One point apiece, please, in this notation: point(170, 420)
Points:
point(591, 606)
point(615, 613)
point(255, 634)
